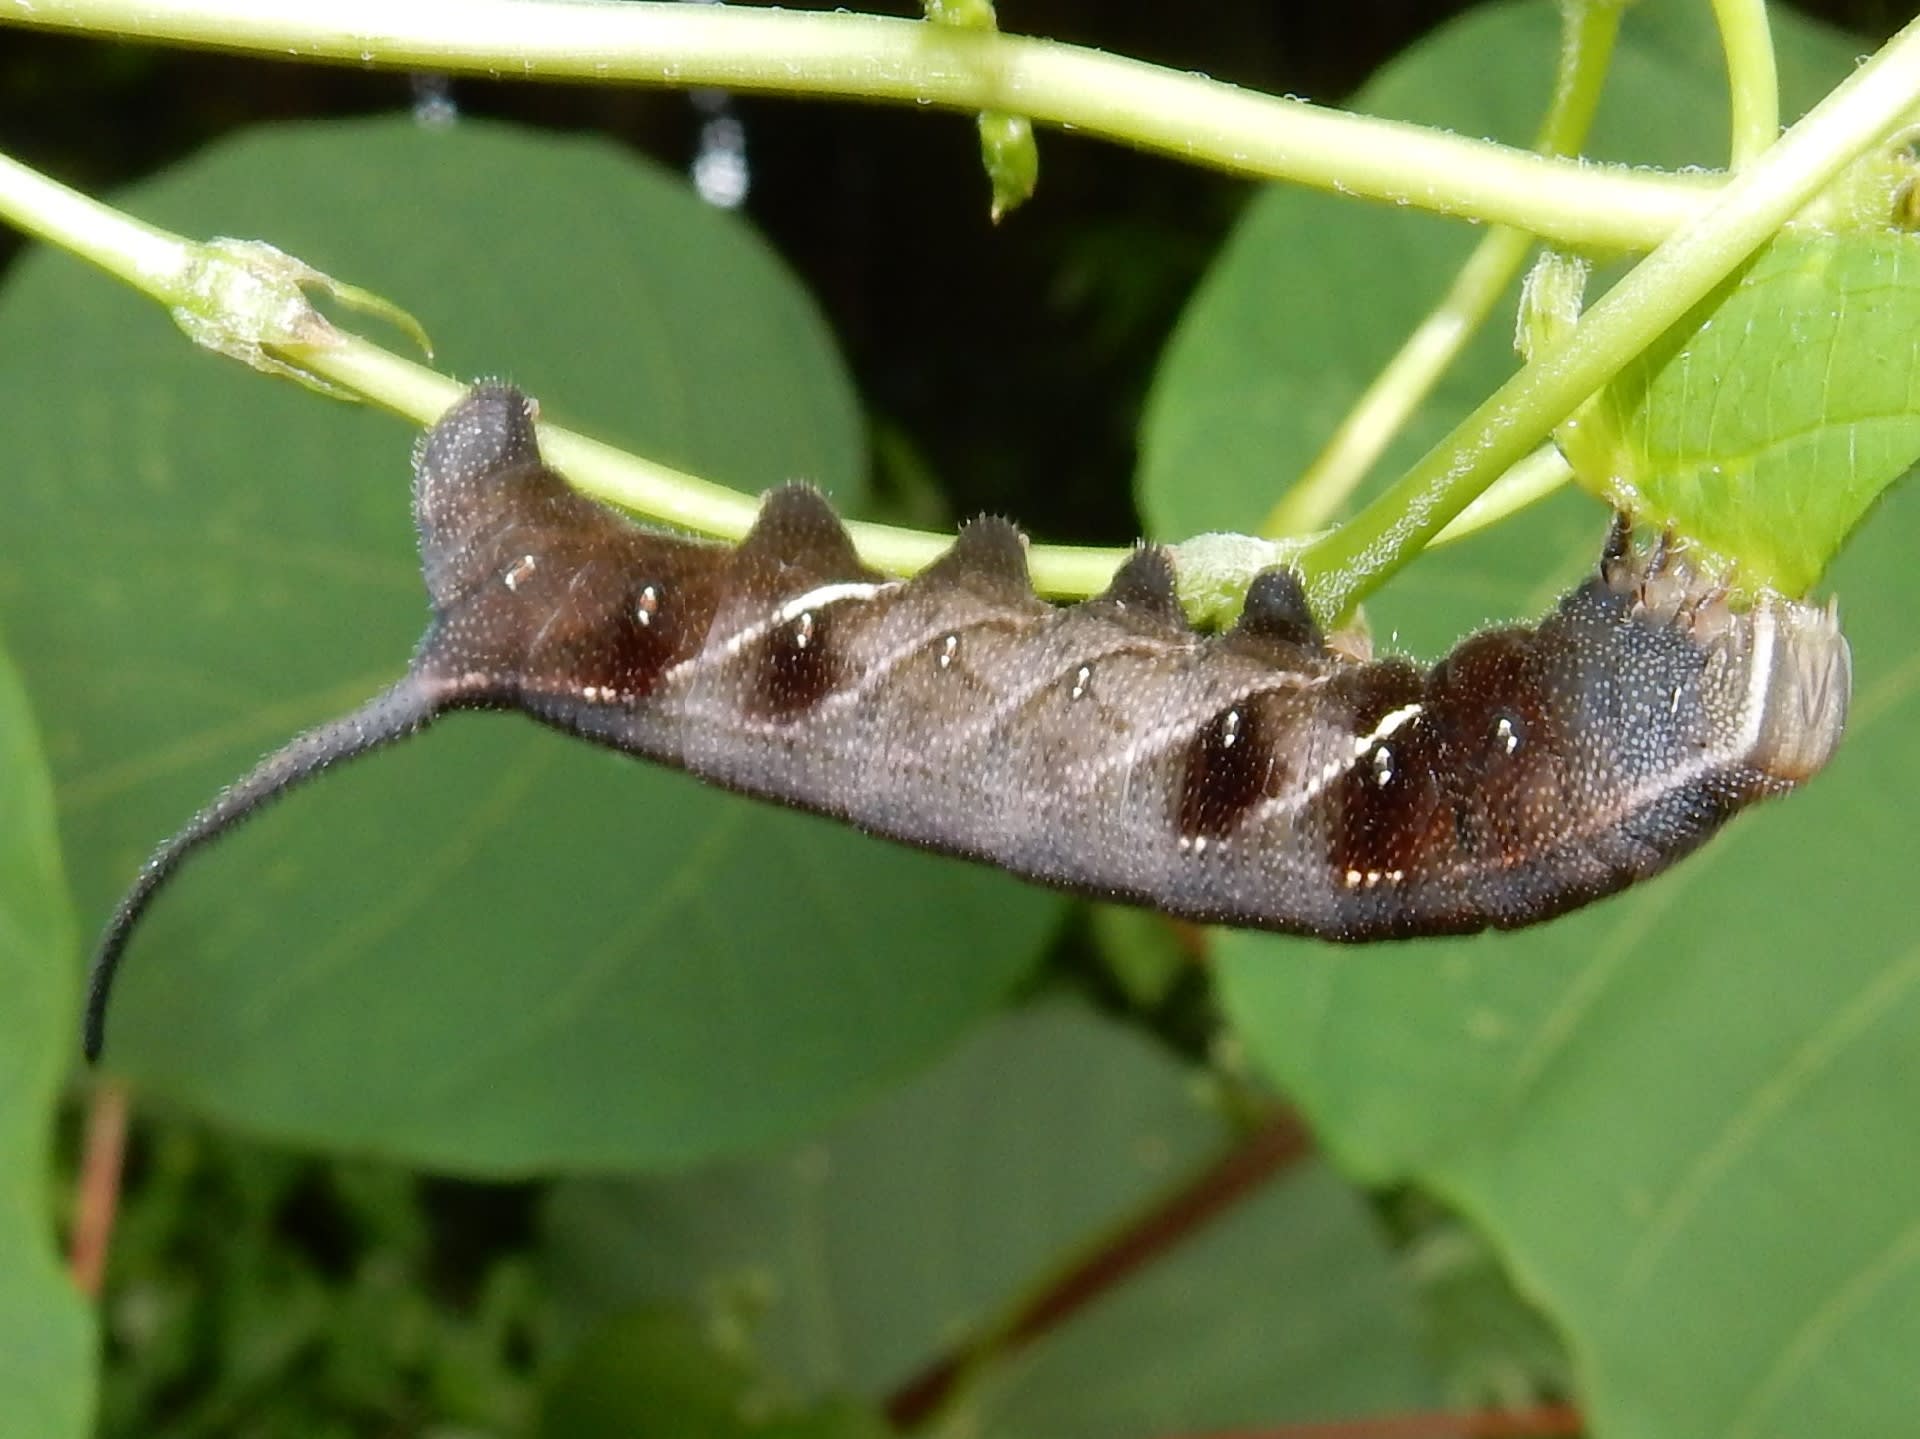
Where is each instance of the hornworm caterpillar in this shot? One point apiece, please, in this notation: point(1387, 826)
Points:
point(1255, 777)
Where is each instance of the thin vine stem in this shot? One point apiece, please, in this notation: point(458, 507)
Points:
point(1348, 563)
point(149, 259)
point(1588, 34)
point(659, 492)
point(174, 270)
point(869, 57)
point(1753, 80)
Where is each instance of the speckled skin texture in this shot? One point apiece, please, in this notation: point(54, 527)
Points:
point(1255, 777)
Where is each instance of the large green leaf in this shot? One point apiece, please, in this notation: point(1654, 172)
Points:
point(856, 1260)
point(1682, 1116)
point(1767, 423)
point(1685, 1115)
point(489, 950)
point(45, 1340)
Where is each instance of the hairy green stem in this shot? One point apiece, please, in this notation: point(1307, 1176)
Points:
point(1345, 565)
point(874, 58)
point(1752, 79)
point(1527, 483)
point(1588, 33)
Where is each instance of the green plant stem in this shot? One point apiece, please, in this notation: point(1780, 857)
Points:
point(149, 259)
point(874, 58)
point(659, 492)
point(174, 271)
point(1527, 483)
point(1588, 33)
point(1345, 565)
point(1752, 78)
point(163, 266)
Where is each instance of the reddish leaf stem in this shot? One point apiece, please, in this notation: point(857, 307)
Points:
point(1548, 1421)
point(99, 1187)
point(1238, 1174)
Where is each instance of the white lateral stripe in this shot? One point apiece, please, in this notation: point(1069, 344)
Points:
point(792, 610)
point(1389, 722)
point(1148, 743)
point(1759, 680)
point(824, 596)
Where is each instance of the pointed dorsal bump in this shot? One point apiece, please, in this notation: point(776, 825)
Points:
point(489, 429)
point(477, 473)
point(797, 529)
point(1276, 609)
point(988, 557)
point(1144, 589)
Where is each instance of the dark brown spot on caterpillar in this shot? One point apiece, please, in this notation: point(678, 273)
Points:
point(797, 666)
point(1228, 768)
point(1500, 744)
point(1383, 807)
point(638, 642)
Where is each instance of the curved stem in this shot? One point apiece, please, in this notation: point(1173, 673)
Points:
point(660, 492)
point(1401, 387)
point(173, 270)
point(875, 58)
point(1752, 79)
point(1344, 565)
point(1588, 33)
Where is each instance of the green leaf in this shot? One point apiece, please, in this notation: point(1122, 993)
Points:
point(850, 1264)
point(655, 1373)
point(1767, 422)
point(1265, 363)
point(46, 1344)
point(1683, 1116)
point(490, 950)
point(648, 1375)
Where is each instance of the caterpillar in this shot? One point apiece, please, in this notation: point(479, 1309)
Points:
point(1255, 777)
